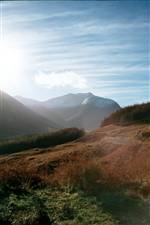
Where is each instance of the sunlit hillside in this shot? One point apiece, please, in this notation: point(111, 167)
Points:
point(110, 163)
point(135, 114)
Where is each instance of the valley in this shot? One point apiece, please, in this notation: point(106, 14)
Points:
point(100, 178)
point(53, 174)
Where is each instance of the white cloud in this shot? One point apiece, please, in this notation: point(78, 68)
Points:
point(61, 79)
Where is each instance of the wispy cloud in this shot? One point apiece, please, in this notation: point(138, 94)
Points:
point(101, 44)
point(61, 79)
point(31, 17)
point(124, 91)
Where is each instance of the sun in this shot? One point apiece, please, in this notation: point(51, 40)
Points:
point(10, 65)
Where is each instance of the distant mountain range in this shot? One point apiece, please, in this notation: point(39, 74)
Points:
point(82, 110)
point(18, 119)
point(21, 116)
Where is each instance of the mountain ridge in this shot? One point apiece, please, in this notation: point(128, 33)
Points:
point(17, 119)
point(82, 110)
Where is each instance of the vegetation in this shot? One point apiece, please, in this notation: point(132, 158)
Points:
point(81, 197)
point(40, 141)
point(45, 207)
point(79, 183)
point(136, 114)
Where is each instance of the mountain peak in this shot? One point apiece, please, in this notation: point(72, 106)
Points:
point(68, 100)
point(78, 99)
point(98, 101)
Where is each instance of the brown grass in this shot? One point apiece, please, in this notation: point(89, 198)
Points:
point(134, 114)
point(111, 157)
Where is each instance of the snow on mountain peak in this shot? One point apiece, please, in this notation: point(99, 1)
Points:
point(98, 101)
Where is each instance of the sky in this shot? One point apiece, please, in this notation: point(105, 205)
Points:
point(65, 47)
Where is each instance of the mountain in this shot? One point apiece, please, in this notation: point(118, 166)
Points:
point(69, 100)
point(43, 110)
point(17, 119)
point(50, 114)
point(90, 117)
point(27, 101)
point(82, 110)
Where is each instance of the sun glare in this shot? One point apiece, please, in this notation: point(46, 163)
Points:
point(10, 65)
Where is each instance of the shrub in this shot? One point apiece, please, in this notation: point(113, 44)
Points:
point(40, 141)
point(27, 209)
point(129, 115)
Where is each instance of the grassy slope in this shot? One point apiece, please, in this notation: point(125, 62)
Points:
point(75, 168)
point(115, 147)
point(102, 178)
point(136, 114)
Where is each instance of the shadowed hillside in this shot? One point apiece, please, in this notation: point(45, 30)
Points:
point(59, 184)
point(82, 110)
point(17, 119)
point(102, 178)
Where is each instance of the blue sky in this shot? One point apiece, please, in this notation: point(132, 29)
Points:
point(80, 46)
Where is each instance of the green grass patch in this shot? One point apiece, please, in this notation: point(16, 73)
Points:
point(59, 207)
point(52, 207)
